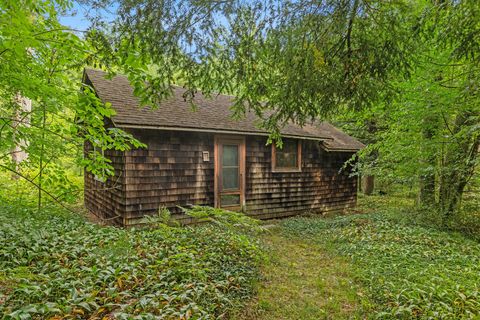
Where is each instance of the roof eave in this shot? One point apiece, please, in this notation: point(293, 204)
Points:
point(218, 131)
point(342, 149)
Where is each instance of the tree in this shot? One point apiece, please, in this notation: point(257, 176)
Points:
point(428, 128)
point(459, 32)
point(42, 61)
point(428, 135)
point(293, 60)
point(24, 106)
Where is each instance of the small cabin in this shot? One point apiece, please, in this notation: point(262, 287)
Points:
point(205, 157)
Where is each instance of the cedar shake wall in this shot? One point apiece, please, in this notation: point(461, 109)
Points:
point(107, 200)
point(170, 173)
point(319, 187)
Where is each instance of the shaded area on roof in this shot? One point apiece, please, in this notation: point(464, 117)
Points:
point(212, 114)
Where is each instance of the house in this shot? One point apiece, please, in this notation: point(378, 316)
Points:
point(205, 157)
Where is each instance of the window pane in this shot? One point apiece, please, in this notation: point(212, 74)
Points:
point(230, 178)
point(230, 199)
point(287, 157)
point(290, 146)
point(286, 160)
point(230, 155)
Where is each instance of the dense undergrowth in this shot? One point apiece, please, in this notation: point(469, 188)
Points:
point(55, 265)
point(409, 270)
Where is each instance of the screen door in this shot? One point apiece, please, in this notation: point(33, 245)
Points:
point(229, 172)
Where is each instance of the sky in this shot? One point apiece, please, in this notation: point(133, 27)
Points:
point(76, 17)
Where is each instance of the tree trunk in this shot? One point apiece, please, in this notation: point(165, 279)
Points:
point(426, 194)
point(459, 164)
point(22, 118)
point(368, 180)
point(368, 185)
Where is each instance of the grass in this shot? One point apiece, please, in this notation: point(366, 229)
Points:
point(55, 265)
point(408, 271)
point(301, 280)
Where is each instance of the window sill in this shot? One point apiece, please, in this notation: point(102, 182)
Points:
point(286, 170)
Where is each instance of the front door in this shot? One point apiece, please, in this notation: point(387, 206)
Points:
point(229, 172)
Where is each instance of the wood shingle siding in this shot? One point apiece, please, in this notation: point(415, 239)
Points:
point(107, 199)
point(171, 173)
point(320, 186)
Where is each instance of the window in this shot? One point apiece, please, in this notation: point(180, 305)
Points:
point(288, 158)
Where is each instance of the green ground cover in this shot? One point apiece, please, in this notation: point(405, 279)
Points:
point(57, 266)
point(302, 280)
point(384, 262)
point(408, 270)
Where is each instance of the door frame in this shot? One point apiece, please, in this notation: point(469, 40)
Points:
point(240, 141)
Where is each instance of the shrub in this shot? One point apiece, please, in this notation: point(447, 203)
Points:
point(234, 221)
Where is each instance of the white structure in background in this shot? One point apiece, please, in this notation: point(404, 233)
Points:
point(22, 118)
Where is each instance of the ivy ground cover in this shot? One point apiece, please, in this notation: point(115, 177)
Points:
point(55, 265)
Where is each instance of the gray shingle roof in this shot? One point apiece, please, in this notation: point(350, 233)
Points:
point(211, 115)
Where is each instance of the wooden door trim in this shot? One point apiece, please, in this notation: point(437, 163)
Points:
point(225, 139)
